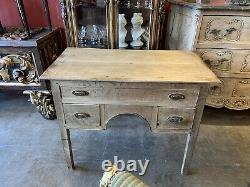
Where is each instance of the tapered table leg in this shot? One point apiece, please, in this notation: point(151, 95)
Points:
point(192, 136)
point(68, 150)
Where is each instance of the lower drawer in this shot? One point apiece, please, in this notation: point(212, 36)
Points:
point(175, 118)
point(233, 93)
point(231, 87)
point(82, 116)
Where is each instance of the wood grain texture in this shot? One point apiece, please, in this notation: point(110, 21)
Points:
point(129, 66)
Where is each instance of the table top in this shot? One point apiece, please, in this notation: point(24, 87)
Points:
point(116, 65)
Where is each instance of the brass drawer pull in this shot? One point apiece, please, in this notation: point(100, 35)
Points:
point(80, 93)
point(176, 96)
point(82, 115)
point(175, 119)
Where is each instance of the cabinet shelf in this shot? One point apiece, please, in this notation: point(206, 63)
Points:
point(94, 12)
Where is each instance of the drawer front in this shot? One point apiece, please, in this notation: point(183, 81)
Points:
point(231, 87)
point(173, 118)
point(130, 96)
point(82, 116)
point(146, 112)
point(226, 62)
point(233, 93)
point(224, 29)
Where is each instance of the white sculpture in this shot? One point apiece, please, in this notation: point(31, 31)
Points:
point(122, 31)
point(137, 30)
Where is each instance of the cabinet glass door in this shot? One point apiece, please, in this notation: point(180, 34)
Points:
point(91, 23)
point(134, 17)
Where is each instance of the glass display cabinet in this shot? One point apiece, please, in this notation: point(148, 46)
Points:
point(126, 24)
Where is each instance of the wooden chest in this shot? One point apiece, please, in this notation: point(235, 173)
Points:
point(90, 86)
point(220, 34)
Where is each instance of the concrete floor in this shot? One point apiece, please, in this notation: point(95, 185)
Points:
point(31, 153)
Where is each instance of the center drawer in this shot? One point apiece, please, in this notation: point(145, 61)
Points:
point(130, 96)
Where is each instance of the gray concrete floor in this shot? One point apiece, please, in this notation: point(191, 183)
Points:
point(31, 153)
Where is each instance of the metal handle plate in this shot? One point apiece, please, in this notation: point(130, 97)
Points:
point(82, 115)
point(176, 96)
point(80, 93)
point(175, 119)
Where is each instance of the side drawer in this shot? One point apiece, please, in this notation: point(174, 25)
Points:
point(175, 118)
point(131, 96)
point(82, 116)
point(224, 30)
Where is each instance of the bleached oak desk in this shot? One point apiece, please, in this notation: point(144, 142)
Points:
point(167, 88)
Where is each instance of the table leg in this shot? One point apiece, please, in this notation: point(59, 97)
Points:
point(68, 149)
point(65, 133)
point(192, 136)
point(188, 154)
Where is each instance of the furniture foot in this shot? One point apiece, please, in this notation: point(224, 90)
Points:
point(44, 103)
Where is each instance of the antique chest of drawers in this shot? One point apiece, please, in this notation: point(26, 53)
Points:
point(90, 86)
point(220, 34)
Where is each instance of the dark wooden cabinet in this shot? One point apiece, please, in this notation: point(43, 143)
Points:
point(23, 61)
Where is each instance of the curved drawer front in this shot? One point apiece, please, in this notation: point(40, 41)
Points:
point(82, 116)
point(130, 96)
point(171, 118)
point(226, 62)
point(232, 93)
point(222, 30)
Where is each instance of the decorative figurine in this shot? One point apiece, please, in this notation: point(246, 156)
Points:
point(137, 30)
point(122, 31)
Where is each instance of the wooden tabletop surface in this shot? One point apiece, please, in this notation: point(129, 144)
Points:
point(129, 66)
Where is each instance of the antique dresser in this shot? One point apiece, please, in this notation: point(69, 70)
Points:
point(167, 88)
point(23, 61)
point(220, 34)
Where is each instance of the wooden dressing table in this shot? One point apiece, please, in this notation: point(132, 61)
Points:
point(167, 88)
